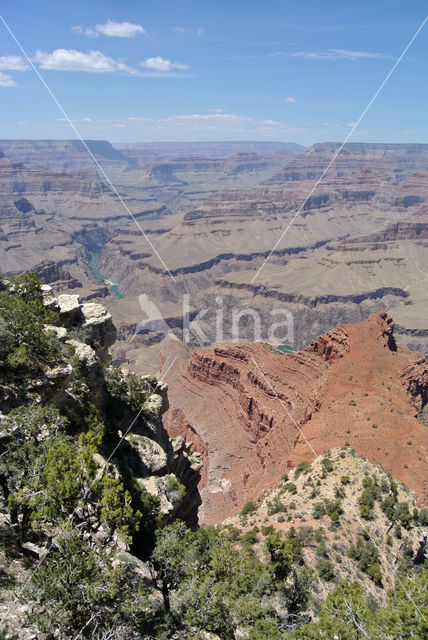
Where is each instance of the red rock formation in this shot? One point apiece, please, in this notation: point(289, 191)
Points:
point(254, 413)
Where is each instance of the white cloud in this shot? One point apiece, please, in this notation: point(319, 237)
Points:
point(210, 122)
point(336, 54)
point(88, 31)
point(13, 63)
point(111, 29)
point(161, 64)
point(7, 81)
point(355, 55)
point(95, 61)
point(291, 100)
point(120, 29)
point(71, 60)
point(76, 121)
point(199, 31)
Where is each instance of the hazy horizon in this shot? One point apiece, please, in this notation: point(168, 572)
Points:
point(199, 72)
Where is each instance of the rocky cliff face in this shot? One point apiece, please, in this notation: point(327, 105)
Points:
point(64, 155)
point(15, 178)
point(395, 160)
point(164, 467)
point(258, 413)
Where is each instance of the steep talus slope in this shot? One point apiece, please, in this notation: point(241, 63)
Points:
point(325, 504)
point(371, 402)
point(258, 412)
point(225, 397)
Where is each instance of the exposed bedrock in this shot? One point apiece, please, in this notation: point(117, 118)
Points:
point(258, 412)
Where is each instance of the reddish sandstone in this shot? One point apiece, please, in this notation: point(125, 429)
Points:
point(254, 413)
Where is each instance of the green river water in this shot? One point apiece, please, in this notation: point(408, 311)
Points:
point(93, 266)
point(285, 348)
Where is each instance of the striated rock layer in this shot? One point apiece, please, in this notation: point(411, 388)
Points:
point(254, 412)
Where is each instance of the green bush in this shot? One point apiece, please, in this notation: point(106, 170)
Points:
point(24, 343)
point(333, 509)
point(371, 492)
point(366, 555)
point(325, 569)
point(128, 388)
point(423, 517)
point(78, 587)
point(275, 506)
point(403, 514)
point(388, 507)
point(302, 467)
point(175, 488)
point(248, 509)
point(250, 537)
point(339, 493)
point(291, 488)
point(327, 465)
point(215, 587)
point(318, 510)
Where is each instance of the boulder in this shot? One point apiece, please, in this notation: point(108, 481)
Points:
point(98, 325)
point(70, 309)
point(158, 486)
point(60, 332)
point(87, 357)
point(150, 459)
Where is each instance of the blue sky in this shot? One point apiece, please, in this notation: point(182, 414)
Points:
point(224, 70)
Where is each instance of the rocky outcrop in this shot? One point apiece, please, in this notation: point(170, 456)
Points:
point(135, 440)
point(332, 345)
point(258, 413)
point(415, 380)
point(50, 272)
point(91, 318)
